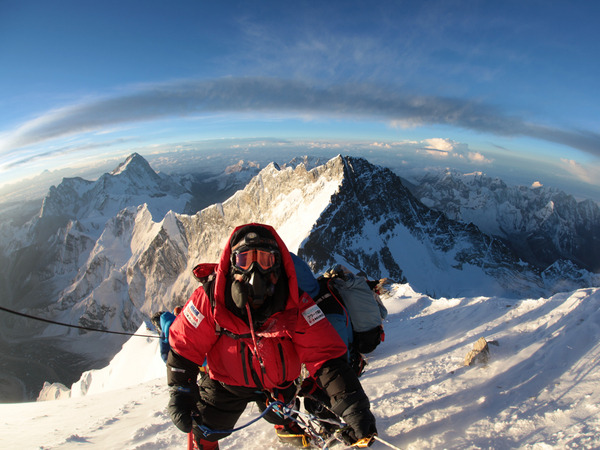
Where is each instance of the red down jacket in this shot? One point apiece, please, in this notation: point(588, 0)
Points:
point(298, 334)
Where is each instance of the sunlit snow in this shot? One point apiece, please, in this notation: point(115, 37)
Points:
point(538, 391)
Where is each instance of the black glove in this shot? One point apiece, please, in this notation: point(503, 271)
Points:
point(182, 405)
point(361, 424)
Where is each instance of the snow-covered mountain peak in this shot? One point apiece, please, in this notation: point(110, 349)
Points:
point(241, 166)
point(374, 224)
point(310, 162)
point(135, 175)
point(235, 176)
point(135, 163)
point(132, 183)
point(542, 224)
point(453, 179)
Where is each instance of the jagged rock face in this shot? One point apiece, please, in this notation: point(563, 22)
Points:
point(217, 189)
point(210, 189)
point(357, 203)
point(376, 225)
point(42, 256)
point(565, 276)
point(65, 199)
point(131, 184)
point(35, 273)
point(141, 266)
point(542, 225)
point(130, 272)
point(309, 162)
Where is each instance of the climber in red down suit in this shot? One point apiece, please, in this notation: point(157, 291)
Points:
point(256, 329)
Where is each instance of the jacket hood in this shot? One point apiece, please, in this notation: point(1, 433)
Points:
point(223, 316)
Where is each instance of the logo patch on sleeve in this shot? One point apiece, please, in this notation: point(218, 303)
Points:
point(192, 314)
point(313, 315)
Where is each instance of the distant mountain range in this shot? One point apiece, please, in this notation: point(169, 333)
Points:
point(107, 254)
point(541, 225)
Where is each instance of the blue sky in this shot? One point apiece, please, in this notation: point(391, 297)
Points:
point(488, 86)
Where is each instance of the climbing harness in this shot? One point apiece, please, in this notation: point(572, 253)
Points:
point(305, 421)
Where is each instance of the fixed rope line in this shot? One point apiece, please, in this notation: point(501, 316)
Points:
point(40, 319)
point(207, 431)
point(377, 438)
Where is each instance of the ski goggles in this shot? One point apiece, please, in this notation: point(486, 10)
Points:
point(265, 259)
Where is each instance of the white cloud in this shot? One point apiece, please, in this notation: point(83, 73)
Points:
point(380, 145)
point(446, 145)
point(256, 97)
point(406, 124)
point(478, 158)
point(326, 145)
point(536, 184)
point(444, 148)
point(436, 153)
point(590, 173)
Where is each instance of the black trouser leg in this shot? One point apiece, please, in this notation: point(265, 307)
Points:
point(221, 406)
point(220, 409)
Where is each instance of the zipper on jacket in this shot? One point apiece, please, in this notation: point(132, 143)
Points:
point(282, 360)
point(243, 352)
point(255, 377)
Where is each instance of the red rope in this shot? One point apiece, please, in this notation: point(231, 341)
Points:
point(338, 300)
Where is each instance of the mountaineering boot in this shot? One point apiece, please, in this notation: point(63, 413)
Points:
point(201, 444)
point(358, 363)
point(206, 445)
point(292, 434)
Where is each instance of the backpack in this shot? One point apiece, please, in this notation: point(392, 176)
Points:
point(348, 297)
point(205, 273)
point(363, 305)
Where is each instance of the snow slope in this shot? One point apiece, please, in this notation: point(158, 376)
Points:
point(539, 391)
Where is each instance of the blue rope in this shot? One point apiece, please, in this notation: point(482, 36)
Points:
point(207, 431)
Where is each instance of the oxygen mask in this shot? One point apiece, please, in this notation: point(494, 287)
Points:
point(255, 263)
